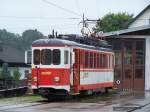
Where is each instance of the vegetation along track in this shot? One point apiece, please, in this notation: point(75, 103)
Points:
point(30, 101)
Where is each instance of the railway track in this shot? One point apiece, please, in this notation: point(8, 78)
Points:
point(13, 91)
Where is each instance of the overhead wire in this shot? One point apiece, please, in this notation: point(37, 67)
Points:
point(62, 8)
point(97, 5)
point(44, 26)
point(78, 6)
point(16, 17)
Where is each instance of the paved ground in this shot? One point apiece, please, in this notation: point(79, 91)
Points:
point(118, 103)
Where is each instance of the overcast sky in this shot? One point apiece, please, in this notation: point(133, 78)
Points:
point(61, 15)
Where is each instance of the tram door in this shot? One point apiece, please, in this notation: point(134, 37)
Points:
point(76, 70)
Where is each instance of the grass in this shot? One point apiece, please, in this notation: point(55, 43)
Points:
point(35, 98)
point(21, 99)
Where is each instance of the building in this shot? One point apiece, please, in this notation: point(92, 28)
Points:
point(132, 53)
point(142, 19)
point(132, 57)
point(15, 59)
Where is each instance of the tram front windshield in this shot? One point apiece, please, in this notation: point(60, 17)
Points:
point(46, 56)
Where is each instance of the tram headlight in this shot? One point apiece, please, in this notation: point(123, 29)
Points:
point(56, 79)
point(35, 79)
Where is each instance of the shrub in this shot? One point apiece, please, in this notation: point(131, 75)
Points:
point(16, 74)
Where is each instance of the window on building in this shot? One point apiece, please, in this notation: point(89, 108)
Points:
point(139, 53)
point(128, 48)
point(128, 57)
point(117, 57)
point(139, 58)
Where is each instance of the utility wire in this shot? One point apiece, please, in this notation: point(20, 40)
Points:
point(78, 6)
point(16, 17)
point(64, 9)
point(97, 5)
point(44, 26)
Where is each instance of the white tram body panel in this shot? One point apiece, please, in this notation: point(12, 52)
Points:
point(96, 77)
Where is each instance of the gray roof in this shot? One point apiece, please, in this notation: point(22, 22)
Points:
point(53, 42)
point(9, 54)
point(125, 31)
point(62, 42)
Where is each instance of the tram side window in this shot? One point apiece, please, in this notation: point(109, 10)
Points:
point(46, 56)
point(56, 56)
point(91, 60)
point(111, 61)
point(66, 57)
point(36, 58)
point(98, 62)
point(101, 61)
point(86, 59)
point(81, 58)
point(94, 60)
point(104, 61)
point(108, 61)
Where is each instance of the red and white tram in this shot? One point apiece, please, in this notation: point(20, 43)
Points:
point(62, 67)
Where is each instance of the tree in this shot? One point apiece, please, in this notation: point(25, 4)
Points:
point(8, 38)
point(28, 37)
point(16, 74)
point(113, 22)
point(20, 42)
point(5, 73)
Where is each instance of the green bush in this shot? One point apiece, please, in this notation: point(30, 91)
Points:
point(16, 74)
point(5, 73)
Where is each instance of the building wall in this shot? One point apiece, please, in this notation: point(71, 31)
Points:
point(141, 20)
point(21, 70)
point(147, 64)
point(129, 62)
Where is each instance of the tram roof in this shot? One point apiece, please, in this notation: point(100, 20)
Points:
point(62, 42)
